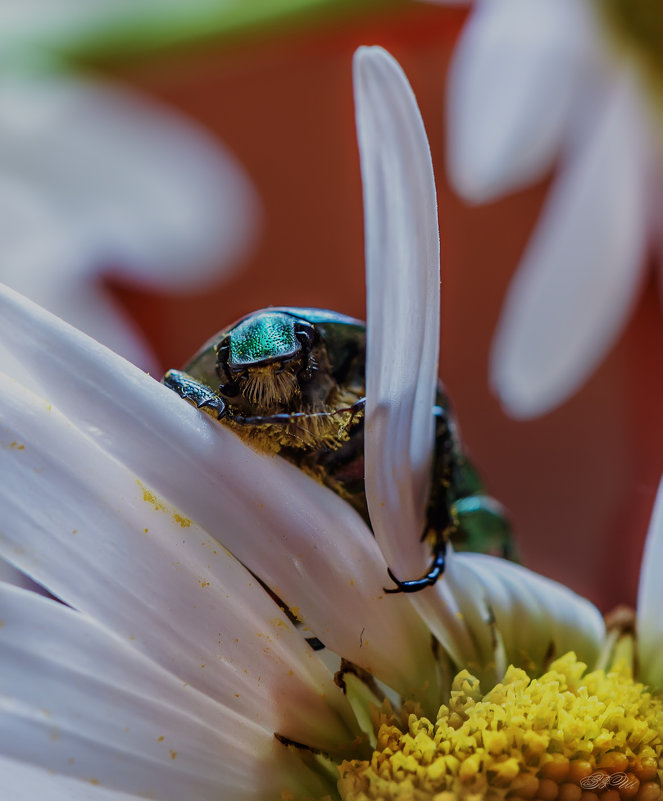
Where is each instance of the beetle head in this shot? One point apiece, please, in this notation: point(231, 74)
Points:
point(264, 359)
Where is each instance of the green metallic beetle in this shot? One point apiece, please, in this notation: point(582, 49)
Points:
point(292, 381)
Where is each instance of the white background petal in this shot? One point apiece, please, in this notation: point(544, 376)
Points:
point(46, 256)
point(300, 538)
point(650, 601)
point(142, 187)
point(96, 179)
point(582, 271)
point(27, 24)
point(512, 83)
point(403, 276)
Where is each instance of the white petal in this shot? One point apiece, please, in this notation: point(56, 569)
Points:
point(45, 260)
point(537, 619)
point(582, 271)
point(513, 79)
point(650, 600)
point(143, 189)
point(403, 276)
point(307, 544)
point(10, 575)
point(24, 782)
point(83, 526)
point(81, 703)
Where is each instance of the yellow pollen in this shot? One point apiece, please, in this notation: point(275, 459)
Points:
point(567, 735)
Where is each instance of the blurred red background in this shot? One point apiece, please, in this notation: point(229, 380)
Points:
point(579, 482)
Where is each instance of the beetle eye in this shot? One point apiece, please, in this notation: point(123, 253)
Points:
point(305, 333)
point(230, 389)
point(222, 355)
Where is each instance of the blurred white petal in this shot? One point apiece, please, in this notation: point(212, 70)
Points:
point(650, 600)
point(95, 180)
point(403, 279)
point(82, 703)
point(305, 551)
point(141, 189)
point(582, 271)
point(46, 260)
point(511, 86)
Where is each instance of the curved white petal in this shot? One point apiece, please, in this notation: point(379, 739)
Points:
point(82, 525)
point(307, 544)
point(513, 78)
point(140, 188)
point(582, 271)
point(82, 703)
point(519, 617)
point(403, 277)
point(650, 600)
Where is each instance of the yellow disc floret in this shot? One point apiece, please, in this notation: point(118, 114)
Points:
point(566, 735)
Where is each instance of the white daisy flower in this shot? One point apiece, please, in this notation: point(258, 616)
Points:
point(171, 673)
point(538, 82)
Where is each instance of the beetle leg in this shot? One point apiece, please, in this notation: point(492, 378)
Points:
point(193, 391)
point(482, 525)
point(284, 418)
point(434, 572)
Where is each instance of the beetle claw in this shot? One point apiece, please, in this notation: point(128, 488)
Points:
point(214, 403)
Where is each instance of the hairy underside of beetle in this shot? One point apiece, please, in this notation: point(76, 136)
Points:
point(268, 389)
point(312, 427)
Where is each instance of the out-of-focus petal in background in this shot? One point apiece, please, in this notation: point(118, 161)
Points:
point(276, 92)
point(97, 178)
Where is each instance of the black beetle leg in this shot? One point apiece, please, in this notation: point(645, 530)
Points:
point(357, 408)
point(285, 418)
point(434, 572)
point(193, 391)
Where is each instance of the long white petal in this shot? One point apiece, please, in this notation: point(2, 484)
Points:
point(650, 600)
point(83, 526)
point(141, 189)
point(582, 271)
point(307, 544)
point(82, 703)
point(512, 83)
point(403, 277)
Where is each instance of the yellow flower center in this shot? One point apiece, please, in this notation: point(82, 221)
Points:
point(565, 735)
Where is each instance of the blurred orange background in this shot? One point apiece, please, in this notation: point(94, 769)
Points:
point(579, 482)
